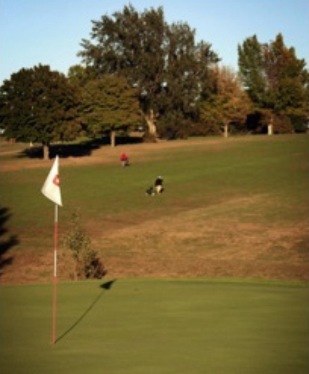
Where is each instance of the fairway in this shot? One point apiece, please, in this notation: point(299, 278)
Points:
point(233, 207)
point(157, 326)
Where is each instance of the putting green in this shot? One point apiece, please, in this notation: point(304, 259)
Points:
point(157, 326)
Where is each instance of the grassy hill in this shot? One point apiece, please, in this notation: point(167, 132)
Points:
point(233, 207)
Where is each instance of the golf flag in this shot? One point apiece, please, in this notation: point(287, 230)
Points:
point(51, 187)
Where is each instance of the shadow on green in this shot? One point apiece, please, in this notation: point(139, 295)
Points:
point(104, 286)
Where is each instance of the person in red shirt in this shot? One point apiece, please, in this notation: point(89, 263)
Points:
point(124, 159)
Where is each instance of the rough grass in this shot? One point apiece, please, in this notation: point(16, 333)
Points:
point(232, 208)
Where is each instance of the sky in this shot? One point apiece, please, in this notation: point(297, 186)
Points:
point(49, 32)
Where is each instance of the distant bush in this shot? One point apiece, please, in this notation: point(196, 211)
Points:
point(283, 125)
point(300, 124)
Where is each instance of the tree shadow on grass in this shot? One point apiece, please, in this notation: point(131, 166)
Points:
point(82, 149)
point(64, 150)
point(6, 241)
point(104, 286)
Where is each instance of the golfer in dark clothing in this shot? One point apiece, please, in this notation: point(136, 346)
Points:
point(158, 185)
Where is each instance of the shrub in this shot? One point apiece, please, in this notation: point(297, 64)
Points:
point(87, 263)
point(282, 125)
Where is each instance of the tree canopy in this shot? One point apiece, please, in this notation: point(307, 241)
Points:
point(227, 104)
point(136, 67)
point(162, 61)
point(39, 105)
point(275, 79)
point(109, 104)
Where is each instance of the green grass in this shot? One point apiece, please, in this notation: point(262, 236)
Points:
point(200, 174)
point(224, 200)
point(157, 326)
point(261, 181)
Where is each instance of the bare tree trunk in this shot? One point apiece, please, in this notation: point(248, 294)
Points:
point(226, 130)
point(113, 138)
point(270, 126)
point(45, 151)
point(150, 119)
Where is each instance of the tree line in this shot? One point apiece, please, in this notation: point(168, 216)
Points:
point(137, 71)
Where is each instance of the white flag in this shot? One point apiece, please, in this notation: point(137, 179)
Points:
point(51, 188)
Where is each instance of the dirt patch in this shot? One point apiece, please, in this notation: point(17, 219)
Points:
point(193, 243)
point(200, 243)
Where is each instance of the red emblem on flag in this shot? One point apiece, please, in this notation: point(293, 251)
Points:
point(56, 180)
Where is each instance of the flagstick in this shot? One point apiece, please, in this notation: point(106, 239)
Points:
point(54, 313)
point(51, 190)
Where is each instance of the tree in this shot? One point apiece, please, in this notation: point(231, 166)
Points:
point(79, 75)
point(186, 76)
point(288, 80)
point(110, 104)
point(229, 103)
point(130, 44)
point(251, 68)
point(158, 59)
point(276, 80)
point(39, 105)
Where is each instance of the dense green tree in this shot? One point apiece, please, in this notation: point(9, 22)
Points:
point(110, 104)
point(187, 76)
point(251, 68)
point(39, 105)
point(160, 60)
point(287, 78)
point(79, 75)
point(131, 44)
point(276, 80)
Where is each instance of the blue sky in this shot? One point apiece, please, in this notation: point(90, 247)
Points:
point(49, 32)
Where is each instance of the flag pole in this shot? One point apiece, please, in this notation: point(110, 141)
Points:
point(54, 312)
point(55, 240)
point(51, 190)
